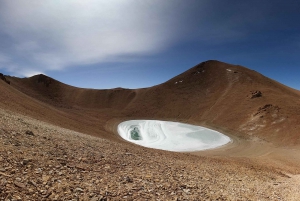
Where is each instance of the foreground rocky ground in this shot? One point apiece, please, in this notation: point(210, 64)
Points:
point(39, 161)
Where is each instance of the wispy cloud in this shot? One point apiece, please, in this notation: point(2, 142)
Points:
point(51, 35)
point(55, 35)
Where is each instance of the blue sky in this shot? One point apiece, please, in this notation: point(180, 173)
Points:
point(140, 43)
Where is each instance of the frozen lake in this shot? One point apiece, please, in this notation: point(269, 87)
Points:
point(171, 136)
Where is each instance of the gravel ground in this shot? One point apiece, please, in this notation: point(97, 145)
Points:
point(39, 161)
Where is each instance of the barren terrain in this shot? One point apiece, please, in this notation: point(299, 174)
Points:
point(60, 142)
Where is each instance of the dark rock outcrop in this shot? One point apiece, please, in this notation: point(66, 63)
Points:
point(256, 94)
point(2, 77)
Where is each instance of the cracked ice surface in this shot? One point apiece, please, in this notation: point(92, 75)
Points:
point(171, 136)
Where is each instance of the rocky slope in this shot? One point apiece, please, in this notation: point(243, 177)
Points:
point(40, 161)
point(215, 94)
point(59, 142)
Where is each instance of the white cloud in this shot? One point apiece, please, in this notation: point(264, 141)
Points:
point(29, 73)
point(15, 70)
point(52, 35)
point(58, 34)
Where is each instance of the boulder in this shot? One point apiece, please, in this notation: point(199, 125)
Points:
point(256, 94)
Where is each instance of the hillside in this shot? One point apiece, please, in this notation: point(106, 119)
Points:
point(227, 97)
point(215, 94)
point(261, 116)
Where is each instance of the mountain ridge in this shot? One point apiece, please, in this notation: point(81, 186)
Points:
point(212, 93)
point(48, 150)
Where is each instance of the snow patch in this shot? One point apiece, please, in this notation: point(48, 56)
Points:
point(178, 82)
point(171, 136)
point(229, 70)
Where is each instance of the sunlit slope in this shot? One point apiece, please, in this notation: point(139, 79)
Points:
point(227, 97)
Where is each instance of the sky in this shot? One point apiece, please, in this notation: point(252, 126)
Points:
point(141, 43)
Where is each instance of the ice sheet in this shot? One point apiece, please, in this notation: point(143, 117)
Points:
point(171, 136)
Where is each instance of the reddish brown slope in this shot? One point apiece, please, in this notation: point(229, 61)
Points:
point(219, 95)
point(21, 98)
point(58, 94)
point(61, 164)
point(212, 93)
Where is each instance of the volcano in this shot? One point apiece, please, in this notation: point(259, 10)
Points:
point(260, 115)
